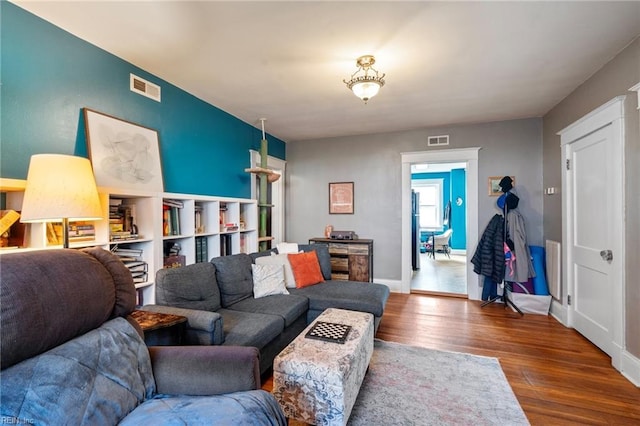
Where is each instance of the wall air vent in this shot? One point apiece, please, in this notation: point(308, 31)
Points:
point(144, 87)
point(438, 140)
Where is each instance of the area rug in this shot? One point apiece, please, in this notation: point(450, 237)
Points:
point(408, 385)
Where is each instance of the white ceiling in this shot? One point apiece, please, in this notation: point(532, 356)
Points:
point(445, 62)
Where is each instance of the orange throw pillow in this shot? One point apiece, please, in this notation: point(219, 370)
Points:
point(306, 268)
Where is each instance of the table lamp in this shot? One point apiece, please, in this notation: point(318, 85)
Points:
point(60, 188)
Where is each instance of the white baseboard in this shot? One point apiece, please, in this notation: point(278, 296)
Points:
point(559, 312)
point(626, 363)
point(630, 367)
point(394, 285)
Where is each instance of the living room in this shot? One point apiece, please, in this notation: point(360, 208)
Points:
point(49, 75)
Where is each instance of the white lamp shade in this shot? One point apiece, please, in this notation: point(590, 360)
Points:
point(59, 187)
point(366, 90)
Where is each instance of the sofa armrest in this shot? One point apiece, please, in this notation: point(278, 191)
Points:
point(205, 370)
point(203, 327)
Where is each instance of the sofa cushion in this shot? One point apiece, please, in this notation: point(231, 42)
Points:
point(240, 408)
point(289, 307)
point(306, 268)
point(351, 295)
point(96, 378)
point(268, 280)
point(324, 258)
point(191, 287)
point(283, 260)
point(122, 280)
point(255, 255)
point(250, 328)
point(234, 277)
point(286, 248)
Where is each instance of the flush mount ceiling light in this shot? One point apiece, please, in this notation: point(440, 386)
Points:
point(365, 82)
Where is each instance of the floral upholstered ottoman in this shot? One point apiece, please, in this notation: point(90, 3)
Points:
point(317, 381)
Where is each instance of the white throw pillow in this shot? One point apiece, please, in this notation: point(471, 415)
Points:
point(268, 280)
point(283, 260)
point(284, 248)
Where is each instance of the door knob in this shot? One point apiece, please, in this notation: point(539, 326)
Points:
point(606, 255)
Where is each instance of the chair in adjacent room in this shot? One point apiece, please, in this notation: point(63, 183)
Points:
point(441, 242)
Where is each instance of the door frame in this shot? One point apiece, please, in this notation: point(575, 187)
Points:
point(611, 113)
point(277, 193)
point(470, 155)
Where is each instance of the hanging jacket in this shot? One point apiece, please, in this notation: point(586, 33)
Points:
point(521, 269)
point(488, 259)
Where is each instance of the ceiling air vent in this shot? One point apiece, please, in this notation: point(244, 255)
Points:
point(145, 88)
point(438, 140)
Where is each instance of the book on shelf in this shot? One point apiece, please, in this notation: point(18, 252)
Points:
point(170, 220)
point(174, 261)
point(132, 259)
point(136, 265)
point(202, 249)
point(173, 203)
point(199, 223)
point(226, 247)
point(122, 220)
point(140, 279)
point(13, 233)
point(124, 236)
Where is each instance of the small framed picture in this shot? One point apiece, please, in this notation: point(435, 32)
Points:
point(494, 185)
point(341, 198)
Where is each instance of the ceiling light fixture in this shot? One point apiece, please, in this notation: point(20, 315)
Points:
point(365, 82)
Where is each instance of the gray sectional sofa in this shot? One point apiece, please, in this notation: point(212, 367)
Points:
point(217, 298)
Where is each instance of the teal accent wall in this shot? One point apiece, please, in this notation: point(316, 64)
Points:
point(48, 75)
point(454, 185)
point(458, 213)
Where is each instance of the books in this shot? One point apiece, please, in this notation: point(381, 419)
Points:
point(171, 217)
point(132, 259)
point(9, 217)
point(122, 221)
point(202, 249)
point(226, 247)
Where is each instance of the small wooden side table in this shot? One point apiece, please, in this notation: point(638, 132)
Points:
point(160, 329)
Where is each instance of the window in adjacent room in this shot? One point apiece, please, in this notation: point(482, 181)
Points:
point(431, 200)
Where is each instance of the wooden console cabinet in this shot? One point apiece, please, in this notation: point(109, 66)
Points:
point(350, 259)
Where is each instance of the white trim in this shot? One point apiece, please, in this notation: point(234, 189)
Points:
point(611, 113)
point(636, 89)
point(470, 155)
point(395, 286)
point(630, 367)
point(277, 193)
point(596, 119)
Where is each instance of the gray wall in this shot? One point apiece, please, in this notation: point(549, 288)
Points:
point(373, 163)
point(614, 79)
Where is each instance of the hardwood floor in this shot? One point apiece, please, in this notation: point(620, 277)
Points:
point(558, 376)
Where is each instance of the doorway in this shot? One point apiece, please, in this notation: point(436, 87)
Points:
point(439, 258)
point(468, 156)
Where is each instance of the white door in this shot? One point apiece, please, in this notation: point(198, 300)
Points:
point(592, 299)
point(594, 233)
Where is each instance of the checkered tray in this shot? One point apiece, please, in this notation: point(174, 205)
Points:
point(329, 332)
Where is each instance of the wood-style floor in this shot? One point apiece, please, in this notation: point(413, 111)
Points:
point(558, 376)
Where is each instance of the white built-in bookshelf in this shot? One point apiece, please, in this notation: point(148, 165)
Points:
point(205, 227)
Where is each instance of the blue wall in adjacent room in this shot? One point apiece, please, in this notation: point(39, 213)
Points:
point(454, 185)
point(48, 75)
point(458, 213)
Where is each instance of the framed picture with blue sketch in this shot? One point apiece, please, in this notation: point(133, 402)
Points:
point(124, 155)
